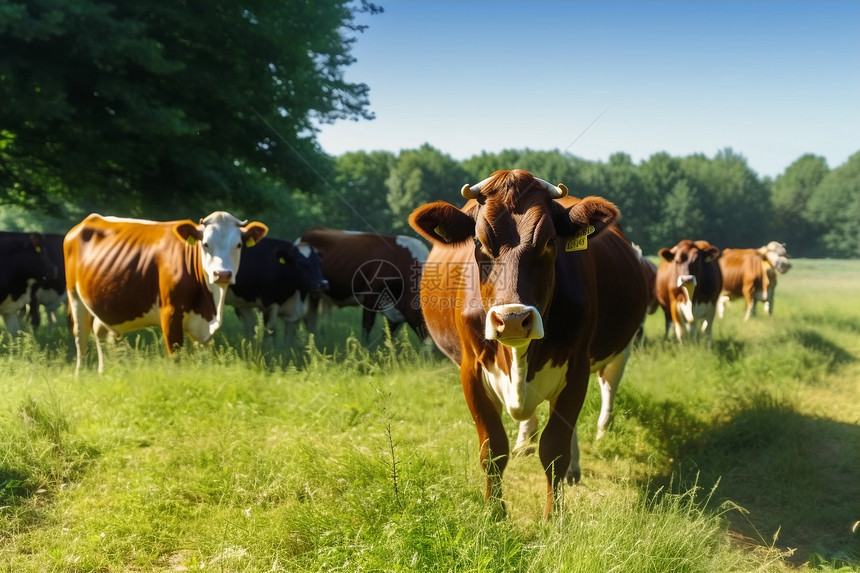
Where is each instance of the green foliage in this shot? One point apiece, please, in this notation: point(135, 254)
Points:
point(790, 195)
point(137, 106)
point(835, 210)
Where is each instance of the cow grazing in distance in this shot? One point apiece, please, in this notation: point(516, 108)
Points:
point(529, 291)
point(649, 269)
point(380, 273)
point(24, 260)
point(688, 285)
point(126, 274)
point(276, 277)
point(751, 274)
point(49, 292)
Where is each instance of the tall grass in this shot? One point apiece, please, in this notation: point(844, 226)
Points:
point(330, 456)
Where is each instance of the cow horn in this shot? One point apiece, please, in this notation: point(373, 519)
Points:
point(554, 192)
point(472, 191)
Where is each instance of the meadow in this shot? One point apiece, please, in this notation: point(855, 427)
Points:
point(333, 457)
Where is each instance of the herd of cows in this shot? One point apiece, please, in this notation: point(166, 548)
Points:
point(526, 289)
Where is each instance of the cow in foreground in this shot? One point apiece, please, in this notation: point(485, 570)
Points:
point(278, 278)
point(529, 291)
point(751, 274)
point(126, 274)
point(380, 273)
point(688, 285)
point(24, 260)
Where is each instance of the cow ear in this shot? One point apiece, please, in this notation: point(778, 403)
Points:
point(253, 232)
point(442, 223)
point(188, 232)
point(579, 219)
point(667, 254)
point(712, 253)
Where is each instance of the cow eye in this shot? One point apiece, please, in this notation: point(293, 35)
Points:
point(478, 242)
point(238, 245)
point(550, 243)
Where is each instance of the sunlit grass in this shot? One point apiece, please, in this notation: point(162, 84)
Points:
point(329, 456)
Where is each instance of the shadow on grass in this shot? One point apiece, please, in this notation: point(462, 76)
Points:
point(796, 478)
point(835, 354)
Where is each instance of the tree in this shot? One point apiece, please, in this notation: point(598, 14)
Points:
point(835, 208)
point(790, 197)
point(134, 106)
point(420, 176)
point(361, 192)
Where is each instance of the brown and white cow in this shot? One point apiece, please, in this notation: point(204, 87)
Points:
point(529, 291)
point(688, 285)
point(126, 274)
point(380, 273)
point(751, 274)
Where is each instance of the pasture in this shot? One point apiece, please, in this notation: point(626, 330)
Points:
point(742, 457)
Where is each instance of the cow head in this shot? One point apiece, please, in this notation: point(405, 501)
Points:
point(517, 230)
point(687, 259)
point(220, 238)
point(775, 253)
point(308, 267)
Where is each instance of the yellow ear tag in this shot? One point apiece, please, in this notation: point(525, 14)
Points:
point(250, 242)
point(580, 241)
point(282, 260)
point(39, 250)
point(191, 240)
point(441, 232)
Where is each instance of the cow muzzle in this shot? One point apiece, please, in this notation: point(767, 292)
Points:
point(223, 278)
point(321, 286)
point(513, 324)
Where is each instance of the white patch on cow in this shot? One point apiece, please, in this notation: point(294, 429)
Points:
point(9, 310)
point(221, 247)
point(305, 249)
point(113, 219)
point(152, 317)
point(518, 397)
point(416, 248)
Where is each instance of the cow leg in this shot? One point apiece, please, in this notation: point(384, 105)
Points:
point(12, 323)
point(494, 446)
point(609, 379)
point(721, 305)
point(82, 324)
point(526, 437)
point(248, 320)
point(557, 437)
point(101, 333)
point(368, 317)
point(171, 325)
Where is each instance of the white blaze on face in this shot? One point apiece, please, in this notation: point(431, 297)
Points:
point(687, 284)
point(221, 248)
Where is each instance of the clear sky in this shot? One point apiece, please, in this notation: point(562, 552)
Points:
point(772, 80)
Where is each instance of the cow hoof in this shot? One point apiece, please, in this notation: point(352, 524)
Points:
point(572, 477)
point(524, 451)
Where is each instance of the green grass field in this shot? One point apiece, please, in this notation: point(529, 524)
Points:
point(743, 457)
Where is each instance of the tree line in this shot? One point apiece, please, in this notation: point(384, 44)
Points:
point(176, 109)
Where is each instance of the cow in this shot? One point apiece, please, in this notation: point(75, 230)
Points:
point(49, 292)
point(649, 269)
point(24, 260)
point(751, 273)
point(688, 285)
point(126, 274)
point(528, 291)
point(276, 277)
point(380, 273)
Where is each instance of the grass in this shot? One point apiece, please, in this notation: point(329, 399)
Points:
point(333, 457)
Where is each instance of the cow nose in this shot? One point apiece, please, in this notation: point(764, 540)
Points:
point(321, 286)
point(513, 322)
point(686, 279)
point(222, 277)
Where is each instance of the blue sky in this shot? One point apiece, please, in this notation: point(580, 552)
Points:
point(772, 80)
